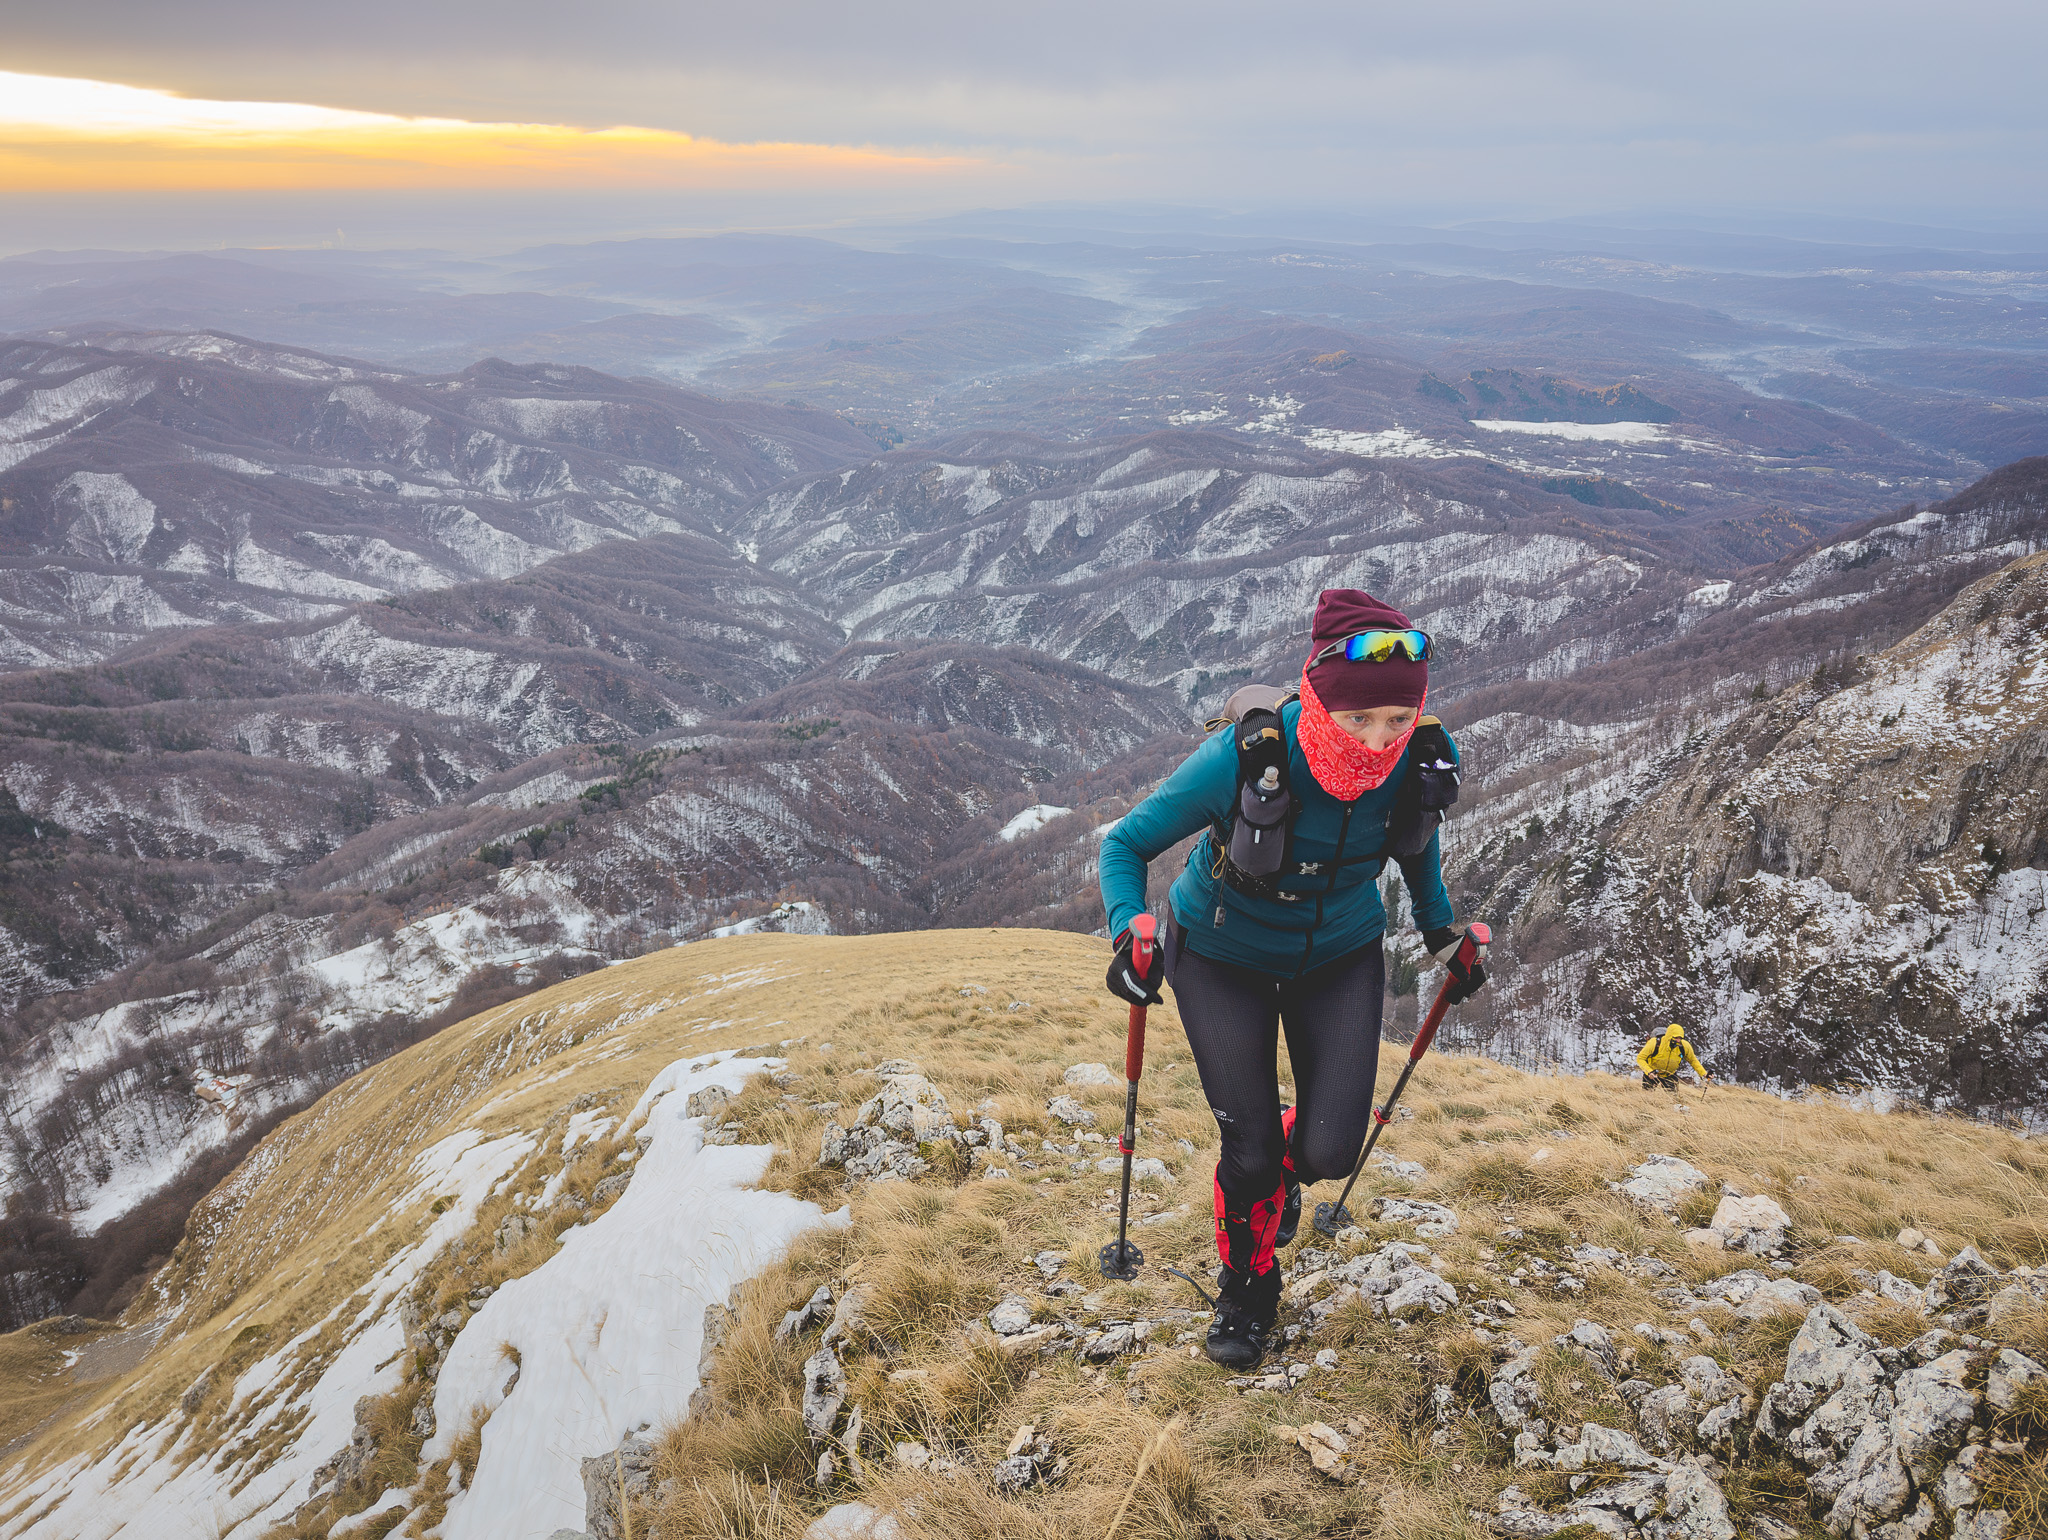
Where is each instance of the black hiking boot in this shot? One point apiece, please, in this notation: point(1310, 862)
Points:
point(1290, 1217)
point(1245, 1307)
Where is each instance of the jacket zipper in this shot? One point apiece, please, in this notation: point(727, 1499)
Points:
point(1308, 945)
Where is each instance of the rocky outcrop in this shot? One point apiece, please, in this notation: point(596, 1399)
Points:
point(1844, 883)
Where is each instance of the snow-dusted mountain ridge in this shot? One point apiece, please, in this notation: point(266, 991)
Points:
point(275, 845)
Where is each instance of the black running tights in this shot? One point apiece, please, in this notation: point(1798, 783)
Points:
point(1233, 1017)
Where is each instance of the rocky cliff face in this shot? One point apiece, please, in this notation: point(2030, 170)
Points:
point(1842, 884)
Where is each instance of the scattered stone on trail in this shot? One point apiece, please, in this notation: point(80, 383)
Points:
point(1142, 1166)
point(512, 1231)
point(611, 1187)
point(912, 1455)
point(824, 1392)
point(613, 1480)
point(1756, 1225)
point(709, 1102)
point(1070, 1112)
point(849, 1316)
point(2010, 1372)
point(817, 1308)
point(1911, 1239)
point(1682, 1501)
point(1590, 1340)
point(1032, 1339)
point(1754, 1295)
point(2027, 1289)
point(1900, 1291)
point(1091, 1074)
point(1049, 1263)
point(853, 1521)
point(1405, 1170)
point(1100, 1346)
point(1966, 1284)
point(828, 1470)
point(1432, 1221)
point(1011, 1316)
point(890, 1067)
point(1661, 1181)
point(1704, 1239)
point(1328, 1450)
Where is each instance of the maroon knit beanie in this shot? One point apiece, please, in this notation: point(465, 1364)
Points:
point(1342, 685)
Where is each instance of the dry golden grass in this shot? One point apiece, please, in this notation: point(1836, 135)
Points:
point(36, 1378)
point(284, 1240)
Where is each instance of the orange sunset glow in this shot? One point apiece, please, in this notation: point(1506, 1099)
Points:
point(60, 135)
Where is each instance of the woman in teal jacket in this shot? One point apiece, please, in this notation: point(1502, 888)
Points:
point(1302, 951)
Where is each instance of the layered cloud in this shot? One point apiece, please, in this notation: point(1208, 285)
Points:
point(82, 136)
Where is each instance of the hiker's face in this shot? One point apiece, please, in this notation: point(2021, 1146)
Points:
point(1378, 728)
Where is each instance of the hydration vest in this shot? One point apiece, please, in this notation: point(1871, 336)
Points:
point(1250, 849)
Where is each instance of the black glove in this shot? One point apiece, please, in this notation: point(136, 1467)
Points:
point(1124, 980)
point(1466, 978)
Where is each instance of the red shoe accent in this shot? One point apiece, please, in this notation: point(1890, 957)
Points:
point(1287, 1138)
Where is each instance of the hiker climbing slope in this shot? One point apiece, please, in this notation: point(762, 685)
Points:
point(1276, 921)
point(1664, 1054)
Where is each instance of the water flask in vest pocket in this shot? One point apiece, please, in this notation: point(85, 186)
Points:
point(1259, 840)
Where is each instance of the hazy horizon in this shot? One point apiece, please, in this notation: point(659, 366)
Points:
point(227, 123)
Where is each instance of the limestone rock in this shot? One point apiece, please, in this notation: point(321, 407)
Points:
point(849, 1316)
point(2025, 1289)
point(1516, 1397)
point(817, 1308)
point(613, 1481)
point(853, 1521)
point(710, 1102)
point(1011, 1316)
point(1328, 1450)
point(1091, 1074)
point(824, 1392)
point(2010, 1372)
point(1755, 1225)
point(1070, 1112)
point(1142, 1166)
point(1966, 1282)
point(1932, 1410)
point(1695, 1505)
point(611, 1187)
point(1432, 1221)
point(910, 1108)
point(1661, 1181)
point(1590, 1340)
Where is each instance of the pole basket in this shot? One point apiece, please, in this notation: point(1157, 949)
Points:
point(1121, 1260)
point(1330, 1218)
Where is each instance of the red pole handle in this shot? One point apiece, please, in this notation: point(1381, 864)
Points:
point(1477, 935)
point(1144, 938)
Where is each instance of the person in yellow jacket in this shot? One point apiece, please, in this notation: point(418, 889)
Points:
point(1664, 1054)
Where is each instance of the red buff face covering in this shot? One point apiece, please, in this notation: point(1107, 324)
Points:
point(1343, 766)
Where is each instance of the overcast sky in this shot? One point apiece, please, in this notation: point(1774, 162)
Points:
point(1913, 112)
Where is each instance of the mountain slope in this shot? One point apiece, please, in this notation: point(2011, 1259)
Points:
point(587, 1228)
point(178, 480)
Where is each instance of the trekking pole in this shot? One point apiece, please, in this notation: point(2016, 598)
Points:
point(1332, 1217)
point(1121, 1259)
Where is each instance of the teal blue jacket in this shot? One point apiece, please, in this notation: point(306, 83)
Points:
point(1339, 909)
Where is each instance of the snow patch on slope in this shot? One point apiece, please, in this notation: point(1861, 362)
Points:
point(609, 1331)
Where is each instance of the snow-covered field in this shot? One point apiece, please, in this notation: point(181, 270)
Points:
point(608, 1334)
point(1581, 432)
